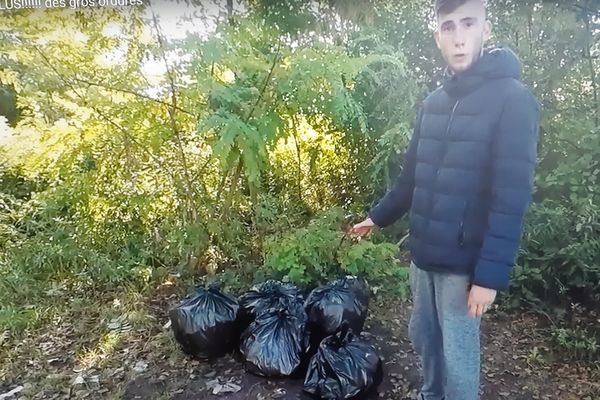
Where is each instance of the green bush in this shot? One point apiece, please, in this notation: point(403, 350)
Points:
point(41, 245)
point(559, 261)
point(320, 251)
point(577, 342)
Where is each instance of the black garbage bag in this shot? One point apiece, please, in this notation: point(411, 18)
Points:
point(266, 295)
point(275, 342)
point(345, 367)
point(328, 307)
point(205, 323)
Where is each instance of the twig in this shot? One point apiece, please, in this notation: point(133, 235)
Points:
point(341, 242)
point(132, 92)
point(172, 107)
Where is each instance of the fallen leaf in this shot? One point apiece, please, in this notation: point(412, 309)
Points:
point(218, 387)
point(79, 380)
point(140, 366)
point(11, 393)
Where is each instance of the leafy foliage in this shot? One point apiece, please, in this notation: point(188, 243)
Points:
point(560, 255)
point(319, 252)
point(577, 342)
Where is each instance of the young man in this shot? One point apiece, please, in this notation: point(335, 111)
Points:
point(466, 182)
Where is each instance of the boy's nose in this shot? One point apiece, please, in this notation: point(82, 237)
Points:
point(459, 38)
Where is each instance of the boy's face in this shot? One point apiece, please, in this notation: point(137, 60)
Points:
point(460, 35)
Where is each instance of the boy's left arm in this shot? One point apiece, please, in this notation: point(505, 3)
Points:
point(514, 155)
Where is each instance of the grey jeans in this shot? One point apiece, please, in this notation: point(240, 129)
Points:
point(444, 336)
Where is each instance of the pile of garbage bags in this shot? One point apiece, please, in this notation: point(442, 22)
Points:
point(280, 333)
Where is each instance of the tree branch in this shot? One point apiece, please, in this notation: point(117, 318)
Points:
point(171, 110)
point(132, 92)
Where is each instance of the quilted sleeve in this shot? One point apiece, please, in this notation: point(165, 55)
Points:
point(514, 155)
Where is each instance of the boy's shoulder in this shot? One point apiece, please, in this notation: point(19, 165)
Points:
point(507, 88)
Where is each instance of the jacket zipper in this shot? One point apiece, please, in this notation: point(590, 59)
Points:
point(446, 145)
point(461, 233)
point(448, 128)
point(451, 117)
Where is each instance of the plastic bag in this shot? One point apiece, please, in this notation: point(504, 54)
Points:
point(275, 342)
point(266, 295)
point(328, 307)
point(345, 367)
point(205, 323)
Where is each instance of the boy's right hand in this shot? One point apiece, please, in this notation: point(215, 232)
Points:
point(362, 228)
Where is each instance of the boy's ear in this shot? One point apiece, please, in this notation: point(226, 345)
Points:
point(487, 30)
point(436, 36)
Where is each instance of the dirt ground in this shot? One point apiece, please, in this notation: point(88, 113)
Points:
point(512, 368)
point(145, 363)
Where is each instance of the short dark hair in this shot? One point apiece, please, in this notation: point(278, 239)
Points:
point(447, 6)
